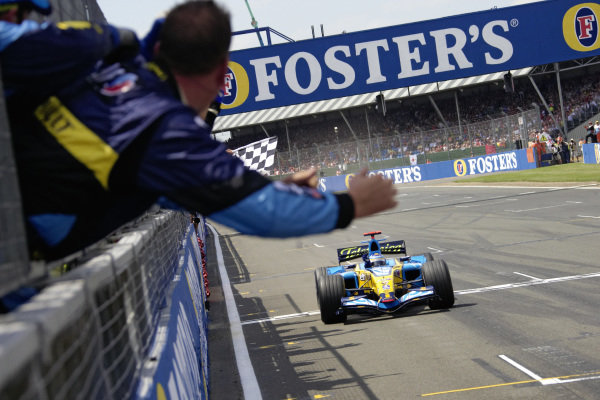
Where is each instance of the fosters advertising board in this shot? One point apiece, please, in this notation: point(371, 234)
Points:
point(411, 54)
point(509, 161)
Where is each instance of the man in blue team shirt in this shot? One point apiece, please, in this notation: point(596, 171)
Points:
point(98, 147)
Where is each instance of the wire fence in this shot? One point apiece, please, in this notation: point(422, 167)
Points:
point(87, 335)
point(379, 150)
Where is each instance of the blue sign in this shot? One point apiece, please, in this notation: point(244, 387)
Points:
point(509, 161)
point(411, 54)
point(591, 153)
point(181, 346)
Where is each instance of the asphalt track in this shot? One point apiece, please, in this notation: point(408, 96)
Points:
point(525, 264)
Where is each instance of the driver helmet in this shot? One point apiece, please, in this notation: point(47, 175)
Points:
point(41, 6)
point(377, 260)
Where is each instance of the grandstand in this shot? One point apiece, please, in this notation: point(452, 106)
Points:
point(488, 115)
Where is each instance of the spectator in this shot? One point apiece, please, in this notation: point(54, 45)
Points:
point(565, 155)
point(572, 150)
point(591, 134)
point(99, 151)
point(540, 149)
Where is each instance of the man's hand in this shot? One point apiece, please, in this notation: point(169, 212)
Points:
point(371, 194)
point(306, 178)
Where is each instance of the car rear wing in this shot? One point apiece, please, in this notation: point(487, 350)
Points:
point(350, 253)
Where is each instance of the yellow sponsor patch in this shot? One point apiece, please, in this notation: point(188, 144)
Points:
point(77, 139)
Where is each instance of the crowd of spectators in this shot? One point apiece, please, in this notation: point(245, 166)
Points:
point(413, 126)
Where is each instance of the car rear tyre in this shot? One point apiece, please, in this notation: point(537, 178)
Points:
point(330, 290)
point(436, 274)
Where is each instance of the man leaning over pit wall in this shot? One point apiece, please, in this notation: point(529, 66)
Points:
point(98, 147)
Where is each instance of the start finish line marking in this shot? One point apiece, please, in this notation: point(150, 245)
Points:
point(533, 282)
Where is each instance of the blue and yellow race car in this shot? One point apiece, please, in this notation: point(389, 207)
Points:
point(381, 285)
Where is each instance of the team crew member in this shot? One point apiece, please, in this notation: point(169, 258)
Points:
point(103, 148)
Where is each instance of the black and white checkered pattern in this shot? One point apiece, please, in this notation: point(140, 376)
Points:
point(258, 156)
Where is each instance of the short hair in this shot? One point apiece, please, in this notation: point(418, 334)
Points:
point(195, 37)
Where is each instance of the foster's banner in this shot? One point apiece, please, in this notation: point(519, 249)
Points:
point(508, 161)
point(406, 55)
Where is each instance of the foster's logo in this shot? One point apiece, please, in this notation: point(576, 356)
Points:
point(460, 167)
point(236, 87)
point(580, 27)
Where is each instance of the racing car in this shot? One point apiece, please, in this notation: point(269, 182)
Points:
point(381, 285)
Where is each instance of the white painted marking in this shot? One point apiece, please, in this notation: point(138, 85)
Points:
point(545, 381)
point(587, 378)
point(408, 209)
point(463, 206)
point(527, 193)
point(434, 250)
point(573, 202)
point(242, 358)
point(529, 283)
point(457, 292)
point(318, 245)
point(521, 368)
point(282, 317)
point(535, 209)
point(527, 276)
point(588, 216)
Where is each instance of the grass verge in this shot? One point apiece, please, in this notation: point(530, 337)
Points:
point(575, 172)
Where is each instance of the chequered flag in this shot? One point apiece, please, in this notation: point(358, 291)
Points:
point(258, 156)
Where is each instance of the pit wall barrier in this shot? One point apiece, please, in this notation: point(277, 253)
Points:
point(515, 160)
point(128, 322)
point(591, 153)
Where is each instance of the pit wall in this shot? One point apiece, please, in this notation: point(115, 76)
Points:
point(128, 322)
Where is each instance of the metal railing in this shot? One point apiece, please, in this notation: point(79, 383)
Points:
point(87, 335)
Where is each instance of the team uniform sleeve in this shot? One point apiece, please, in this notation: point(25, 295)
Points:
point(183, 163)
point(63, 53)
point(284, 210)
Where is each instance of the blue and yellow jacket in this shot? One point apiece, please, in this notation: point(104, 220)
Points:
point(97, 143)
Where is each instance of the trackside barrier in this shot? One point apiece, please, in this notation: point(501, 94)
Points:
point(508, 161)
point(591, 153)
point(131, 316)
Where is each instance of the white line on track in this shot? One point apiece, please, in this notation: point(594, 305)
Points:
point(521, 368)
point(533, 282)
point(528, 283)
point(544, 381)
point(281, 317)
point(242, 357)
point(535, 209)
point(527, 276)
point(588, 216)
point(435, 250)
point(587, 378)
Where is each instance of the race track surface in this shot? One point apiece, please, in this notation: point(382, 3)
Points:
point(525, 264)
